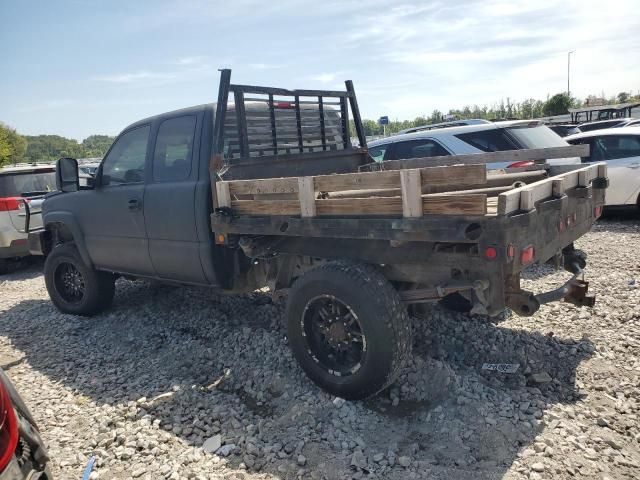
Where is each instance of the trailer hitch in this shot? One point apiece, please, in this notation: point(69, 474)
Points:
point(578, 294)
point(573, 291)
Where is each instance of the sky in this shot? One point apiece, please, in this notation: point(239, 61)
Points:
point(80, 67)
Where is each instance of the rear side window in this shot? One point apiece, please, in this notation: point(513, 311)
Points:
point(377, 153)
point(174, 148)
point(611, 147)
point(27, 183)
point(495, 140)
point(416, 149)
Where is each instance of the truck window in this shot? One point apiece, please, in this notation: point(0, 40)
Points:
point(173, 151)
point(125, 161)
point(416, 149)
point(494, 140)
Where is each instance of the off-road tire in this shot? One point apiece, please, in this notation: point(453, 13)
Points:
point(99, 287)
point(382, 316)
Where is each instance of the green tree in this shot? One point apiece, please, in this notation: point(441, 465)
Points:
point(96, 145)
point(557, 105)
point(12, 145)
point(623, 97)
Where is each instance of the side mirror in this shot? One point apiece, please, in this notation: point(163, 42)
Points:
point(67, 178)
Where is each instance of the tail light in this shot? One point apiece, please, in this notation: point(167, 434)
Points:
point(527, 255)
point(562, 226)
point(521, 163)
point(8, 204)
point(490, 253)
point(511, 251)
point(8, 429)
point(597, 212)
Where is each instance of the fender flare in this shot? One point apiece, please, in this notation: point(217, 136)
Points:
point(69, 221)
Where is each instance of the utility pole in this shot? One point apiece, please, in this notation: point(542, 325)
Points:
point(569, 71)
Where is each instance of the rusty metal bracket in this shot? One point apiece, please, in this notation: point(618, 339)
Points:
point(578, 294)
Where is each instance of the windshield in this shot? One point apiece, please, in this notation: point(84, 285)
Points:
point(536, 137)
point(27, 183)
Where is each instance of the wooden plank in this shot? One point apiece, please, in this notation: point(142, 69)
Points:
point(465, 175)
point(557, 187)
point(307, 197)
point(602, 170)
point(471, 204)
point(410, 184)
point(360, 206)
point(511, 201)
point(491, 157)
point(266, 207)
point(357, 181)
point(222, 191)
point(262, 186)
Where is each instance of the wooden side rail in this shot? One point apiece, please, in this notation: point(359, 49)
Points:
point(525, 197)
point(410, 183)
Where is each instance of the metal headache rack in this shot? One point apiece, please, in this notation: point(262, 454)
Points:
point(260, 122)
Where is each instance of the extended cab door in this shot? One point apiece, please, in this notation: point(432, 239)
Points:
point(111, 215)
point(169, 200)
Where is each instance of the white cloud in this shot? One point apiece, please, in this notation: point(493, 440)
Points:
point(133, 77)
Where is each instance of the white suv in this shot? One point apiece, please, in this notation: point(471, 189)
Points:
point(478, 138)
point(21, 186)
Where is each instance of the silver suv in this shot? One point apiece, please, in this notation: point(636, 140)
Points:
point(476, 138)
point(21, 187)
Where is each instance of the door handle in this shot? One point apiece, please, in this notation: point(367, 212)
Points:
point(134, 204)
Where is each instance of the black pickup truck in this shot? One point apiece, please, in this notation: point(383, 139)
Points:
point(255, 192)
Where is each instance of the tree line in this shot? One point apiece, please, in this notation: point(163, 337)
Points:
point(16, 148)
point(558, 104)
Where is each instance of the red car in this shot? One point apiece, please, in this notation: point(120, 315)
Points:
point(22, 453)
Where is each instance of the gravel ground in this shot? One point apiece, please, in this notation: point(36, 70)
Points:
point(169, 375)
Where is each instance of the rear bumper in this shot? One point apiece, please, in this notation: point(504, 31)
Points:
point(37, 242)
point(17, 248)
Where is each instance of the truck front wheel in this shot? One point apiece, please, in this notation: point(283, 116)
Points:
point(348, 328)
point(73, 287)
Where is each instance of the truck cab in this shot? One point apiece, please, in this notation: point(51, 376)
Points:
point(147, 212)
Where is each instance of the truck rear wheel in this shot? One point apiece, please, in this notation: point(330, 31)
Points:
point(348, 328)
point(73, 287)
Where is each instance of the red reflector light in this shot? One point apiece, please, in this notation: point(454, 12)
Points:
point(19, 241)
point(8, 429)
point(10, 203)
point(597, 212)
point(490, 253)
point(574, 217)
point(521, 163)
point(282, 105)
point(569, 221)
point(511, 251)
point(561, 225)
point(527, 255)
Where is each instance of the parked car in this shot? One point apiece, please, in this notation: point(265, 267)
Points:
point(631, 122)
point(478, 138)
point(565, 129)
point(21, 187)
point(452, 123)
point(620, 148)
point(23, 455)
point(602, 124)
